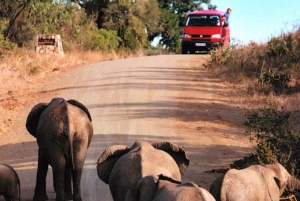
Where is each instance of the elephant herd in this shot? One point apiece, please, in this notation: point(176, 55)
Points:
point(143, 172)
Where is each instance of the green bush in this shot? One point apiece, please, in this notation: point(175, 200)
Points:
point(6, 44)
point(100, 39)
point(278, 82)
point(276, 140)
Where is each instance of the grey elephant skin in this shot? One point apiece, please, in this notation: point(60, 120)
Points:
point(121, 167)
point(9, 183)
point(161, 188)
point(63, 130)
point(257, 182)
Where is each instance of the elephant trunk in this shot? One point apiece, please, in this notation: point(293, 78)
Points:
point(293, 184)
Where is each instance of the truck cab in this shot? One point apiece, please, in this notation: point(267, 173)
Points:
point(204, 30)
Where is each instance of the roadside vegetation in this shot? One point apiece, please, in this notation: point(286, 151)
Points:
point(268, 75)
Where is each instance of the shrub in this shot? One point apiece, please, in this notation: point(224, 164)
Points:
point(6, 44)
point(278, 82)
point(100, 39)
point(273, 63)
point(276, 140)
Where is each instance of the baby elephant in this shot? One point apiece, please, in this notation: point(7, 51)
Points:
point(256, 182)
point(161, 188)
point(9, 183)
point(121, 167)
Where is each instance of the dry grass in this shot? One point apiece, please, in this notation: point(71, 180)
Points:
point(22, 69)
point(253, 101)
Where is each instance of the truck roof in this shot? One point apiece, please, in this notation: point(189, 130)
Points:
point(207, 12)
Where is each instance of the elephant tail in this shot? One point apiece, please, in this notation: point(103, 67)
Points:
point(69, 152)
point(72, 153)
point(67, 148)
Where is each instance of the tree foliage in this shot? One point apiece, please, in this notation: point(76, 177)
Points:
point(170, 37)
point(175, 13)
point(133, 21)
point(136, 22)
point(101, 39)
point(24, 19)
point(160, 18)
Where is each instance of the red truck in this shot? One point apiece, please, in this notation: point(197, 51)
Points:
point(204, 30)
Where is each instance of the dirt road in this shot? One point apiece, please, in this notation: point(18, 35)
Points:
point(158, 98)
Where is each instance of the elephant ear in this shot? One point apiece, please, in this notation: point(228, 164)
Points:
point(33, 118)
point(143, 190)
point(107, 160)
point(215, 188)
point(81, 106)
point(279, 174)
point(177, 153)
point(274, 173)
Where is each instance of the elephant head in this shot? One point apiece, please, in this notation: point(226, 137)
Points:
point(121, 166)
point(257, 182)
point(283, 179)
point(161, 188)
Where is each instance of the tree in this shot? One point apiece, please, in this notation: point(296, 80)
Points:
point(160, 17)
point(170, 35)
point(133, 21)
point(24, 19)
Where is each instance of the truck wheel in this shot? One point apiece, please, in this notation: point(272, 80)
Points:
point(183, 51)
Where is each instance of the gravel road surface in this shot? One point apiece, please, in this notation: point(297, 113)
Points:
point(156, 98)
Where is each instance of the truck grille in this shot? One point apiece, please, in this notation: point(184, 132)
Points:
point(200, 36)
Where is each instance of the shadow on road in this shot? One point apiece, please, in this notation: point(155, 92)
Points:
point(92, 187)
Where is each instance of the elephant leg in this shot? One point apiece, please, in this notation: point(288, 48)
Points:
point(76, 184)
point(58, 164)
point(68, 184)
point(77, 172)
point(40, 187)
point(14, 195)
point(59, 185)
point(12, 198)
point(7, 198)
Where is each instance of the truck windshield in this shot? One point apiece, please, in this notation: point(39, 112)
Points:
point(203, 20)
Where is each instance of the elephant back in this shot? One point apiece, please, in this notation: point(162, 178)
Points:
point(189, 191)
point(81, 106)
point(80, 127)
point(156, 162)
point(125, 173)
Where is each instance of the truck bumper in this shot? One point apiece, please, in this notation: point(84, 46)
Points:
point(193, 46)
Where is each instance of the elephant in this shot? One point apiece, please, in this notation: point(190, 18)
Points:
point(161, 188)
point(256, 182)
point(9, 183)
point(63, 130)
point(121, 166)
